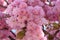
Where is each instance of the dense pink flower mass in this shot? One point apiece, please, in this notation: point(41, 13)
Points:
point(29, 20)
point(21, 13)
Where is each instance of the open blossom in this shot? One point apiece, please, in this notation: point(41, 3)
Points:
point(52, 13)
point(1, 2)
point(34, 32)
point(4, 28)
point(21, 12)
point(35, 2)
point(58, 35)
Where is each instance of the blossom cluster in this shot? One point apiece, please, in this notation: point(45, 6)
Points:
point(31, 19)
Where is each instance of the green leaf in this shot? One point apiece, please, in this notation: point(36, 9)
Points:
point(59, 24)
point(55, 25)
point(50, 37)
point(21, 34)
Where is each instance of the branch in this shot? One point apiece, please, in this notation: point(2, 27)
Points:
point(3, 6)
point(11, 38)
point(6, 2)
point(51, 35)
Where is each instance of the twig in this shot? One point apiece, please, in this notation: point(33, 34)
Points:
point(11, 38)
point(13, 33)
point(6, 2)
point(3, 6)
point(50, 34)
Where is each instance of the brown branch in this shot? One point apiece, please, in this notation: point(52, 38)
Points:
point(6, 2)
point(50, 34)
point(56, 32)
point(3, 6)
point(11, 38)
